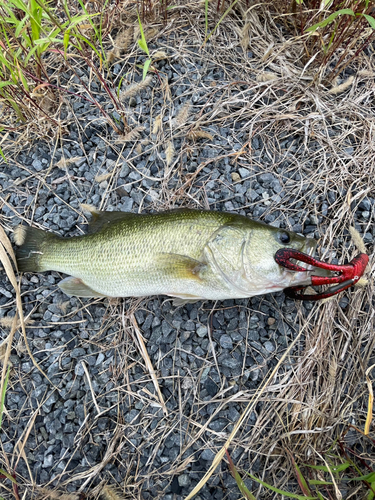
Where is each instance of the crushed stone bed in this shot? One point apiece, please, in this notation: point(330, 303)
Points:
point(209, 359)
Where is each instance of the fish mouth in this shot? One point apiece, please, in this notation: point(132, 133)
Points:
point(311, 245)
point(303, 278)
point(309, 249)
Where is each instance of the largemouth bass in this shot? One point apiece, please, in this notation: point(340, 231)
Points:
point(187, 254)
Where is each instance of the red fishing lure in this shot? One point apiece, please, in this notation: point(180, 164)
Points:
point(348, 274)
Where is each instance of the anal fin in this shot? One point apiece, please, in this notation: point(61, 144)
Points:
point(77, 288)
point(183, 299)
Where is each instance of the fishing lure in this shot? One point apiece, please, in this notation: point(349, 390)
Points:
point(348, 274)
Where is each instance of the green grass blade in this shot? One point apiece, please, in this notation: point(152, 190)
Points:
point(22, 77)
point(12, 18)
point(301, 480)
point(221, 19)
point(48, 13)
point(84, 39)
point(66, 9)
point(2, 154)
point(368, 477)
point(97, 30)
point(119, 86)
point(66, 41)
point(145, 68)
point(370, 19)
point(30, 54)
point(83, 7)
point(35, 20)
point(281, 492)
point(10, 101)
point(20, 26)
point(241, 485)
point(142, 42)
point(78, 19)
point(19, 4)
point(371, 495)
point(11, 478)
point(330, 19)
point(2, 400)
point(10, 51)
point(333, 468)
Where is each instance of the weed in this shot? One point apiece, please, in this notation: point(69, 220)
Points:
point(143, 46)
point(3, 473)
point(3, 393)
point(223, 16)
point(31, 32)
point(339, 472)
point(241, 485)
point(1, 151)
point(334, 32)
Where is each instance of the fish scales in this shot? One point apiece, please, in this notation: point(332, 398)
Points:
point(188, 254)
point(135, 258)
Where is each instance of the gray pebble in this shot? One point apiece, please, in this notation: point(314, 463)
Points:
point(269, 346)
point(5, 292)
point(8, 447)
point(244, 172)
point(37, 164)
point(365, 205)
point(202, 331)
point(79, 370)
point(230, 362)
point(226, 342)
point(208, 455)
point(48, 461)
point(99, 359)
point(267, 177)
point(184, 480)
point(77, 353)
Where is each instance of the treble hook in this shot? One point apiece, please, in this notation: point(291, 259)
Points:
point(349, 273)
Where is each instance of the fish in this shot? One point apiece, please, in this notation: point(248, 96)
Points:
point(186, 254)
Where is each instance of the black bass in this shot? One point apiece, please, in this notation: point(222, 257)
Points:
point(187, 254)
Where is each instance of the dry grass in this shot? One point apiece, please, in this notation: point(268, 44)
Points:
point(136, 88)
point(320, 386)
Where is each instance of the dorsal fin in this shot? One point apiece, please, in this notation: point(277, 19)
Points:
point(100, 219)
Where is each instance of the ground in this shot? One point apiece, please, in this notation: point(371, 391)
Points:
point(139, 394)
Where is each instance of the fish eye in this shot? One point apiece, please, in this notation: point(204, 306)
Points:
point(283, 237)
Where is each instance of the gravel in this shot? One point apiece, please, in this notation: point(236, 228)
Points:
point(80, 419)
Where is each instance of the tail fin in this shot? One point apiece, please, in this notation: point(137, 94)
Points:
point(31, 243)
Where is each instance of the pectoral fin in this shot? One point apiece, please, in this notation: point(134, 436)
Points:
point(76, 287)
point(181, 266)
